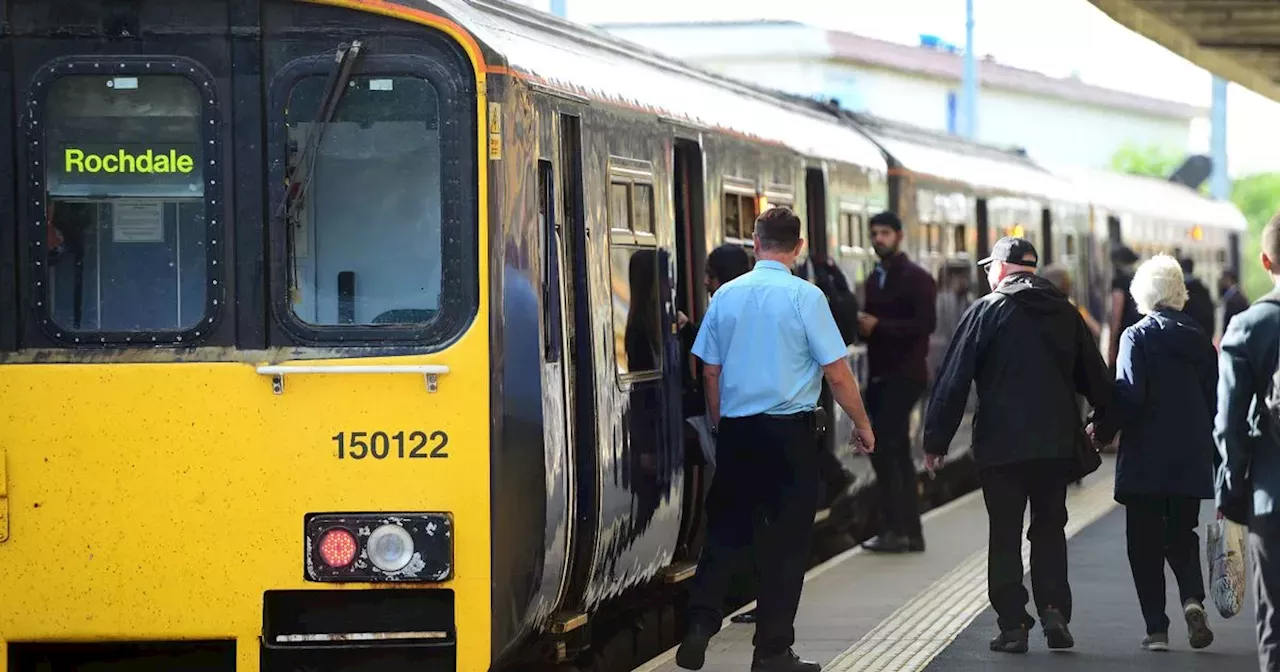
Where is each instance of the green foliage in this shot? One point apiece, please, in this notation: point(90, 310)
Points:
point(1258, 197)
point(1151, 160)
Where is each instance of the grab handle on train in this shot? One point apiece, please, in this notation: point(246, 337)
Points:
point(430, 372)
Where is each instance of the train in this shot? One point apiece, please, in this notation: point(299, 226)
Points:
point(341, 334)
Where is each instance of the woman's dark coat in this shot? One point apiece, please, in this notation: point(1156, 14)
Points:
point(1163, 406)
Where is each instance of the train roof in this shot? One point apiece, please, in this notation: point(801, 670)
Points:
point(593, 64)
point(1155, 198)
point(985, 169)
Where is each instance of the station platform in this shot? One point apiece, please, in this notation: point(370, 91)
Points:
point(866, 612)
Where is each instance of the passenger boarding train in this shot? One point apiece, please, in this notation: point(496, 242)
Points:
point(340, 334)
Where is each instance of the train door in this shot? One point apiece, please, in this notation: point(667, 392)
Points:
point(984, 244)
point(1046, 230)
point(581, 374)
point(815, 188)
point(690, 246)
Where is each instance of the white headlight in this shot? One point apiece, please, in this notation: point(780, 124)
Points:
point(390, 548)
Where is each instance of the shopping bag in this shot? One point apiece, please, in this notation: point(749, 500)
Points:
point(1224, 553)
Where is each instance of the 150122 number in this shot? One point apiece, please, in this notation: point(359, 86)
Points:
point(401, 445)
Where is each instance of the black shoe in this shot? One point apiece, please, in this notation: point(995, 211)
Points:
point(1010, 641)
point(915, 544)
point(889, 543)
point(1056, 634)
point(693, 649)
point(787, 661)
point(748, 617)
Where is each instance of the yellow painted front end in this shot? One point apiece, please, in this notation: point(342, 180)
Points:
point(159, 501)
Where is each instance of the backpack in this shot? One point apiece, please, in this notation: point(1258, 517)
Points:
point(844, 303)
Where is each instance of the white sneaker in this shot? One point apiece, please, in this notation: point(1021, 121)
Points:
point(1156, 642)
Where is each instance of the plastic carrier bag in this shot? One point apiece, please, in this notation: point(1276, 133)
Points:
point(1224, 551)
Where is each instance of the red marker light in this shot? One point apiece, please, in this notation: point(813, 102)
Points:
point(338, 547)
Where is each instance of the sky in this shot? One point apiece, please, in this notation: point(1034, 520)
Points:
point(1057, 37)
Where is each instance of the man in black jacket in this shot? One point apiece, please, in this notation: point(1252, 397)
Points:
point(1030, 353)
point(901, 313)
point(1248, 437)
point(1199, 301)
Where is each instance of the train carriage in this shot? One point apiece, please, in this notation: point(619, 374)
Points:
point(343, 332)
point(1153, 216)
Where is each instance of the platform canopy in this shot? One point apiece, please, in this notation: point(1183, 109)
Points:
point(1238, 40)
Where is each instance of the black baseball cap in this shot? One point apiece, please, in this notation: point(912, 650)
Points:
point(1013, 250)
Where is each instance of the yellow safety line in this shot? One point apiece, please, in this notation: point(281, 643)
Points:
point(911, 637)
point(670, 654)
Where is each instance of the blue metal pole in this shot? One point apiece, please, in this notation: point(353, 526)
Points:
point(970, 126)
point(1219, 183)
point(558, 8)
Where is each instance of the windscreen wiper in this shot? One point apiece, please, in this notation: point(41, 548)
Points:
point(300, 177)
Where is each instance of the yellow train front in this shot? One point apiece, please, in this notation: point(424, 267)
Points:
point(245, 372)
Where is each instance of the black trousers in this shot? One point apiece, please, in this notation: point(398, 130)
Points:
point(1264, 549)
point(890, 401)
point(1006, 490)
point(762, 498)
point(1159, 530)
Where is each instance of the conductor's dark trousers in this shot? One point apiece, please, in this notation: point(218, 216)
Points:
point(762, 500)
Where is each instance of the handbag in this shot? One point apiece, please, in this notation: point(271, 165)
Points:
point(1224, 553)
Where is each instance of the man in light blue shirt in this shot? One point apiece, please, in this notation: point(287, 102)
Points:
point(766, 341)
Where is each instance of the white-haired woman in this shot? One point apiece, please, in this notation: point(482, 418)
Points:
point(1165, 397)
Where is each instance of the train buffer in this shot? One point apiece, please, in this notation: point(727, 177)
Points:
point(866, 613)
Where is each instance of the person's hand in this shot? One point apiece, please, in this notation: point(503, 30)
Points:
point(681, 319)
point(932, 463)
point(863, 440)
point(867, 323)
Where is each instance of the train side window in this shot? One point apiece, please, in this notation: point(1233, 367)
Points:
point(635, 282)
point(1069, 245)
point(642, 208)
point(365, 242)
point(960, 238)
point(127, 241)
point(732, 217)
point(740, 212)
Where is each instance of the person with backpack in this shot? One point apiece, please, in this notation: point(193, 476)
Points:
point(1163, 406)
point(900, 317)
point(1030, 353)
point(1247, 430)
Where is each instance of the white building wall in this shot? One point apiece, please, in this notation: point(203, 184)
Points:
point(795, 58)
point(1063, 132)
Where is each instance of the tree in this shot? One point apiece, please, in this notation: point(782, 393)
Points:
point(1258, 197)
point(1151, 160)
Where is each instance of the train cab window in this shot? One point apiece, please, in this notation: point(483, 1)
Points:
point(635, 287)
point(365, 242)
point(126, 252)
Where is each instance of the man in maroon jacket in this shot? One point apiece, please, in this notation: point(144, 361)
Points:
point(900, 316)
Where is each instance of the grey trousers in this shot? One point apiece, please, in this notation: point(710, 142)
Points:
point(1264, 551)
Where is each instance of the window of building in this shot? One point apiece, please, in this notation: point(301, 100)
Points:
point(635, 272)
point(960, 238)
point(126, 250)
